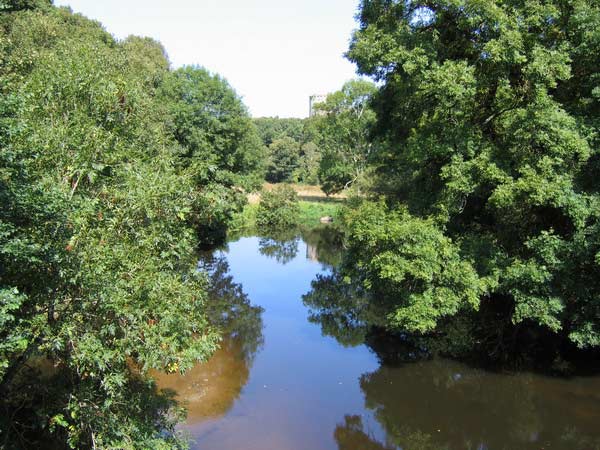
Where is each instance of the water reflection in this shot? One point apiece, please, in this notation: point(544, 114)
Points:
point(440, 404)
point(425, 402)
point(323, 244)
point(283, 248)
point(288, 385)
point(341, 308)
point(351, 435)
point(210, 389)
point(230, 309)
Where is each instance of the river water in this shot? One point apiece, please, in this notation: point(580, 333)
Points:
point(279, 382)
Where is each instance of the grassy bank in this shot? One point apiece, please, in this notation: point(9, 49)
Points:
point(310, 213)
point(306, 192)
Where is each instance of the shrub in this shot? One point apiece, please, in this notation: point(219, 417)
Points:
point(278, 208)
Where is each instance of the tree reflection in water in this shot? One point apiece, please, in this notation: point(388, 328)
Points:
point(229, 308)
point(425, 402)
point(343, 309)
point(323, 244)
point(351, 436)
point(444, 404)
point(282, 247)
point(210, 389)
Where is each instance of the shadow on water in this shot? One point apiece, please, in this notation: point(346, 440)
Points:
point(210, 389)
point(442, 404)
point(424, 401)
point(398, 391)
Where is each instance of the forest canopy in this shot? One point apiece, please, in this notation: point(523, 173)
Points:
point(486, 164)
point(113, 169)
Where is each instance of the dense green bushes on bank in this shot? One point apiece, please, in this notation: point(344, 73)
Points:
point(111, 173)
point(306, 217)
point(487, 152)
point(278, 209)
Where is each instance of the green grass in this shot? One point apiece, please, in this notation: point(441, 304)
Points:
point(311, 212)
point(309, 215)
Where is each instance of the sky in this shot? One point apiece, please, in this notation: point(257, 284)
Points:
point(274, 53)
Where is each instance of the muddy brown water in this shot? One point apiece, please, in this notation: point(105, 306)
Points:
point(278, 383)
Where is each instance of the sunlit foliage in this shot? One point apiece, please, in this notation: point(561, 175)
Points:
point(278, 209)
point(103, 201)
point(344, 124)
point(487, 118)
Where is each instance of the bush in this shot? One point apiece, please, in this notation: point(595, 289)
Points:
point(278, 208)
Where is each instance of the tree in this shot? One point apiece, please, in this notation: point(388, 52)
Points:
point(489, 113)
point(344, 127)
point(219, 143)
point(284, 156)
point(273, 128)
point(98, 270)
point(18, 5)
point(278, 209)
point(213, 127)
point(304, 134)
point(308, 164)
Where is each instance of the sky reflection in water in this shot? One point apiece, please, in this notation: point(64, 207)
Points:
point(279, 383)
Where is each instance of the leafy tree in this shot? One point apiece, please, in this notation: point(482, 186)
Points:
point(344, 125)
point(304, 134)
point(219, 145)
point(18, 5)
point(98, 275)
point(489, 115)
point(278, 208)
point(146, 56)
point(213, 127)
point(409, 262)
point(308, 164)
point(273, 128)
point(284, 156)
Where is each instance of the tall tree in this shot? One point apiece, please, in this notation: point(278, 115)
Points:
point(98, 272)
point(219, 145)
point(489, 112)
point(284, 159)
point(344, 121)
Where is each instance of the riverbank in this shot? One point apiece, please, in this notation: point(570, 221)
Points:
point(313, 204)
point(306, 192)
point(310, 213)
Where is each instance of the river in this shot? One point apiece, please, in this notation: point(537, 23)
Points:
point(280, 381)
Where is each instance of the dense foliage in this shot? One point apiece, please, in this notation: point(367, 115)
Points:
point(284, 160)
point(331, 148)
point(278, 208)
point(292, 154)
point(111, 167)
point(343, 123)
point(273, 128)
point(219, 145)
point(487, 131)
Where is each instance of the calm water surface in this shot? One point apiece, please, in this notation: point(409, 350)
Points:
point(278, 383)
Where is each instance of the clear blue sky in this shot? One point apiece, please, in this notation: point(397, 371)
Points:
point(275, 53)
